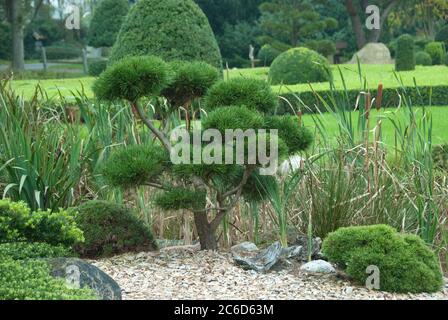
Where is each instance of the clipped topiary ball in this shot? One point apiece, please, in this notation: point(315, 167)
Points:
point(267, 54)
point(132, 78)
point(423, 59)
point(252, 93)
point(191, 80)
point(233, 117)
point(442, 36)
point(170, 29)
point(299, 65)
point(180, 198)
point(437, 52)
point(405, 262)
point(106, 22)
point(97, 67)
point(111, 229)
point(405, 56)
point(135, 165)
point(296, 137)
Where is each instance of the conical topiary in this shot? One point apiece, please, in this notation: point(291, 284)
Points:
point(170, 29)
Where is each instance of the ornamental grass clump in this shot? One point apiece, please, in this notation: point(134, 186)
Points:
point(208, 189)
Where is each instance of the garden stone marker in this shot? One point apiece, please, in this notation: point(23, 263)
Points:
point(87, 276)
point(373, 53)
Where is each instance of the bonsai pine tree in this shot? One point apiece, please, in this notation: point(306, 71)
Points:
point(210, 190)
point(170, 29)
point(106, 22)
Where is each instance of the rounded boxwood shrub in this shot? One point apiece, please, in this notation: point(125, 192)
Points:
point(18, 223)
point(191, 80)
point(252, 93)
point(111, 229)
point(135, 165)
point(106, 22)
point(170, 29)
point(405, 55)
point(96, 67)
point(299, 65)
point(405, 262)
point(423, 59)
point(437, 52)
point(31, 280)
point(35, 250)
point(267, 54)
point(132, 78)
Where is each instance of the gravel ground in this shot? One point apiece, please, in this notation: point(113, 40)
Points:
point(185, 273)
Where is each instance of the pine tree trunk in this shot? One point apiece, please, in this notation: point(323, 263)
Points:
point(206, 235)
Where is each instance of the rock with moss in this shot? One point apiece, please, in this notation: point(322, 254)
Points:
point(80, 274)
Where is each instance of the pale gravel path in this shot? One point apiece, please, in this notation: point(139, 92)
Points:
point(192, 275)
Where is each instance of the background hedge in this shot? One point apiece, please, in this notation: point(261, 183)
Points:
point(170, 29)
point(421, 97)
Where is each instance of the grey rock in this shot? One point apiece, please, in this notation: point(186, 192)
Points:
point(316, 243)
point(244, 247)
point(292, 252)
point(260, 261)
point(318, 266)
point(373, 53)
point(89, 276)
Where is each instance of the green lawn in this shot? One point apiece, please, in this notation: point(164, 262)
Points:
point(439, 114)
point(374, 74)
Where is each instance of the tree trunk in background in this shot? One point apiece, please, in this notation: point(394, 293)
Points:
point(16, 19)
point(356, 23)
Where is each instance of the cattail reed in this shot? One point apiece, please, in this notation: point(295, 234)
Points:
point(379, 97)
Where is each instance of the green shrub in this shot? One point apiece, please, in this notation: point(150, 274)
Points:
point(106, 22)
point(233, 117)
point(180, 198)
point(267, 54)
point(36, 250)
point(405, 263)
point(442, 36)
point(405, 55)
point(18, 223)
point(419, 97)
point(135, 165)
point(299, 65)
point(63, 51)
point(296, 137)
point(31, 280)
point(191, 80)
point(323, 47)
point(252, 93)
point(132, 78)
point(422, 58)
point(437, 52)
point(170, 29)
point(96, 67)
point(440, 157)
point(111, 229)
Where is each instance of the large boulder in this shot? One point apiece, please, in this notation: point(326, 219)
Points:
point(373, 53)
point(261, 261)
point(82, 274)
